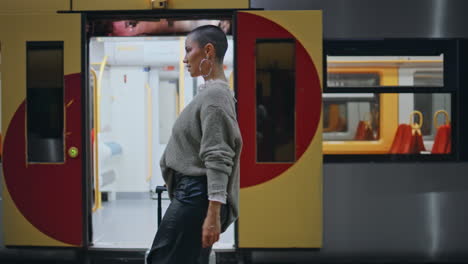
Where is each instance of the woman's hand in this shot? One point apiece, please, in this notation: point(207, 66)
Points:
point(212, 225)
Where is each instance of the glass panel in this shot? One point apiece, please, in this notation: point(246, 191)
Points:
point(428, 78)
point(375, 71)
point(348, 117)
point(275, 64)
point(361, 123)
point(45, 107)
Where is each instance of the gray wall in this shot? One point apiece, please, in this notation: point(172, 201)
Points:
point(383, 18)
point(388, 211)
point(413, 211)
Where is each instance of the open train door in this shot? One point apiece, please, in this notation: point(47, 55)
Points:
point(42, 125)
point(279, 72)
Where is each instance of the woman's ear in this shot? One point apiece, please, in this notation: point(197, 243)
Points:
point(210, 50)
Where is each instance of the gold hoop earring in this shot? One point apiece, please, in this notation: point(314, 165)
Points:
point(211, 67)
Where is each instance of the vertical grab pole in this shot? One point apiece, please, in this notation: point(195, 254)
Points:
point(95, 151)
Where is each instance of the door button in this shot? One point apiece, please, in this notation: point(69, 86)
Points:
point(73, 152)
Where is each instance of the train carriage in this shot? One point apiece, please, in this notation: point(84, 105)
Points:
point(86, 125)
point(351, 118)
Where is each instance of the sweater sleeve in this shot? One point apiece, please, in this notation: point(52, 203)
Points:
point(218, 197)
point(217, 148)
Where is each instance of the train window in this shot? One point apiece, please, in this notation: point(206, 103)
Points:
point(382, 123)
point(275, 73)
point(375, 71)
point(350, 117)
point(388, 100)
point(45, 103)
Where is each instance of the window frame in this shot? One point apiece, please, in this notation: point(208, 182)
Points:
point(400, 47)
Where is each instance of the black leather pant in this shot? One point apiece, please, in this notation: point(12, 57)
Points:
point(179, 237)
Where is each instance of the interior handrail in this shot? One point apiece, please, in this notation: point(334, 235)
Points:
point(97, 130)
point(436, 114)
point(95, 168)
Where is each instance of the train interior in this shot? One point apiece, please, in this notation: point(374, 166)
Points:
point(139, 85)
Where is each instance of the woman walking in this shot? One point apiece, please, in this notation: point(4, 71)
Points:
point(200, 164)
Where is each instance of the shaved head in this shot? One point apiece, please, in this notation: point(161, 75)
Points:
point(211, 34)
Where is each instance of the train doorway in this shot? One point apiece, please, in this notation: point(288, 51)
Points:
point(138, 85)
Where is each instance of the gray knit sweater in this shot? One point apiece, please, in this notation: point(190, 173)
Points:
point(206, 140)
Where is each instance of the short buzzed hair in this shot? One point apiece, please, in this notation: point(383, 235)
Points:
point(211, 34)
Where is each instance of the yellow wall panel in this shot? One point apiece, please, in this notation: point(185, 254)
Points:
point(36, 6)
point(208, 4)
point(146, 4)
point(15, 31)
point(111, 4)
point(41, 6)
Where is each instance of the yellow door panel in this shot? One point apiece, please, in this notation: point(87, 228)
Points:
point(25, 212)
point(281, 202)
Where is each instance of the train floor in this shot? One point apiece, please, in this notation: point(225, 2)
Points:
point(130, 221)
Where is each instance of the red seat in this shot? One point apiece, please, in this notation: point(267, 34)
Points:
point(364, 131)
point(442, 141)
point(408, 138)
point(443, 138)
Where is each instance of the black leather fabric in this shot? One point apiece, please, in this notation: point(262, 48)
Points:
point(179, 237)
